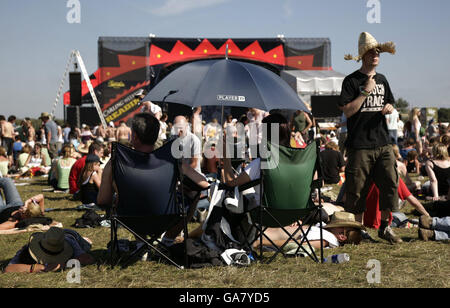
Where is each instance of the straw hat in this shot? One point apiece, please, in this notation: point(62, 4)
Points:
point(368, 42)
point(50, 247)
point(83, 148)
point(45, 115)
point(344, 219)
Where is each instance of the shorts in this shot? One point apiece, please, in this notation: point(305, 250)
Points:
point(8, 143)
point(363, 167)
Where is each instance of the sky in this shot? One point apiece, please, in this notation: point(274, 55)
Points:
point(36, 38)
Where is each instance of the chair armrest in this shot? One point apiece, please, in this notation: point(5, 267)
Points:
point(191, 185)
point(249, 185)
point(246, 186)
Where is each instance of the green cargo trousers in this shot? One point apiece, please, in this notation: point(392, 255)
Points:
point(365, 166)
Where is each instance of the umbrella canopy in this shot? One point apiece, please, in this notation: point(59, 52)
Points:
point(226, 82)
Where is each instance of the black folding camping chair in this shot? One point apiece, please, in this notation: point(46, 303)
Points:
point(150, 201)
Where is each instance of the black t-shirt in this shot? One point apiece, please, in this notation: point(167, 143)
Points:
point(6, 213)
point(367, 128)
point(331, 162)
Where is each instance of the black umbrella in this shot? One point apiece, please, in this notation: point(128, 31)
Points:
point(226, 82)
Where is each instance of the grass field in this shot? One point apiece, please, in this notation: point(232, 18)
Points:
point(413, 263)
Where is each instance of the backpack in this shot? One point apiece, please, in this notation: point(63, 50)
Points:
point(90, 219)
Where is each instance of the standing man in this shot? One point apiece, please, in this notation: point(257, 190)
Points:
point(365, 99)
point(392, 125)
point(7, 134)
point(192, 146)
point(301, 123)
point(123, 133)
point(196, 121)
point(51, 134)
point(111, 132)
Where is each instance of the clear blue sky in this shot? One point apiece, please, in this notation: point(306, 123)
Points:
point(36, 39)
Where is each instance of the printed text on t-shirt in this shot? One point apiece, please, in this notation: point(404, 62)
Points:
point(375, 101)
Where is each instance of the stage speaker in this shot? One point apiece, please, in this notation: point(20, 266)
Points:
point(75, 88)
point(325, 106)
point(88, 115)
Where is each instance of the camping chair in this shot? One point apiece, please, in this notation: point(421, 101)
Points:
point(149, 202)
point(286, 197)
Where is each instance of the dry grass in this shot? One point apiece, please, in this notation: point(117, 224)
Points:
point(411, 264)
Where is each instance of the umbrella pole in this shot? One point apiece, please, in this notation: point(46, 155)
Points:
point(223, 136)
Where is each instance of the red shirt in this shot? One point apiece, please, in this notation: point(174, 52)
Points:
point(75, 172)
point(372, 215)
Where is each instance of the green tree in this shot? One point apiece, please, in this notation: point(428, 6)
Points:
point(444, 115)
point(402, 105)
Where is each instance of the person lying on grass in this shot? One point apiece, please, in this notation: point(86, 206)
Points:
point(342, 229)
point(13, 210)
point(50, 251)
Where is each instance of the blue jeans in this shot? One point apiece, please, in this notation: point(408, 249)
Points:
point(441, 227)
point(11, 195)
point(204, 204)
point(393, 134)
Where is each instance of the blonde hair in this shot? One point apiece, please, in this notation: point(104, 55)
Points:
point(396, 151)
point(414, 113)
point(3, 151)
point(332, 146)
point(440, 151)
point(27, 149)
point(33, 210)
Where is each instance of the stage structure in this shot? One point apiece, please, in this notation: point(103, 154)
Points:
point(128, 64)
point(75, 58)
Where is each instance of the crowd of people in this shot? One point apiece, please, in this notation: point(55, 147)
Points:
point(371, 153)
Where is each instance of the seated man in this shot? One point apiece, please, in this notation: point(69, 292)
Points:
point(50, 251)
point(372, 216)
point(434, 228)
point(145, 131)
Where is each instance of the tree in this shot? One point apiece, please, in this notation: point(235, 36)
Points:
point(444, 115)
point(402, 105)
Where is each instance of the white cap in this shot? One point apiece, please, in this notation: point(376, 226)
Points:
point(235, 257)
point(155, 108)
point(139, 92)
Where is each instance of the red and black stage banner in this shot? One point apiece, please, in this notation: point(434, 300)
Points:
point(128, 64)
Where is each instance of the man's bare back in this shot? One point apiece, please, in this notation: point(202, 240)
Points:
point(31, 133)
point(123, 132)
point(7, 130)
point(111, 134)
point(101, 132)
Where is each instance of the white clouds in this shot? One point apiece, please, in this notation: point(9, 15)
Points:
point(176, 7)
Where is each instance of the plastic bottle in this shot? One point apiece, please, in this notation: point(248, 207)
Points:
point(340, 258)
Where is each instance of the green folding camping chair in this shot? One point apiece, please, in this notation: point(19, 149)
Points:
point(286, 188)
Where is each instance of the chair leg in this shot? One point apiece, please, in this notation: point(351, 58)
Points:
point(133, 255)
point(312, 255)
point(113, 243)
point(149, 245)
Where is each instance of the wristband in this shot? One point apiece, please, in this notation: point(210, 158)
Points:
point(365, 93)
